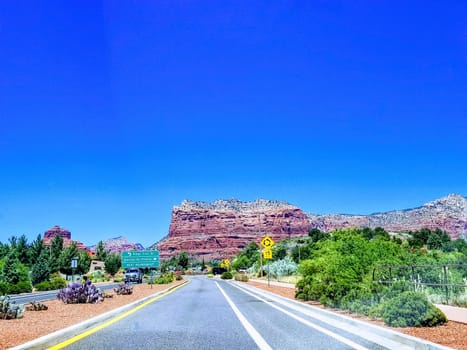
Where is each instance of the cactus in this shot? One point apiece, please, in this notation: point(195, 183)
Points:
point(36, 306)
point(9, 310)
point(77, 293)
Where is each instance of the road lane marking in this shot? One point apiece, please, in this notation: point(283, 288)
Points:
point(113, 320)
point(371, 334)
point(258, 339)
point(306, 322)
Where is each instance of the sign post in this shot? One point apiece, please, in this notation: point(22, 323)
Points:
point(74, 265)
point(267, 243)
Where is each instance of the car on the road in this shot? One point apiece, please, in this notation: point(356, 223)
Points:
point(134, 275)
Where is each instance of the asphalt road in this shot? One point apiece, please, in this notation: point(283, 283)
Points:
point(216, 314)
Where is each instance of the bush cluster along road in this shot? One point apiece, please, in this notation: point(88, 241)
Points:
point(216, 314)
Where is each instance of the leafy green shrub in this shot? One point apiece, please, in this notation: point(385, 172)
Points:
point(226, 275)
point(166, 278)
point(409, 309)
point(20, 287)
point(55, 283)
point(43, 286)
point(242, 277)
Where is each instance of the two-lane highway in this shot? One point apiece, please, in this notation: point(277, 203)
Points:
point(216, 314)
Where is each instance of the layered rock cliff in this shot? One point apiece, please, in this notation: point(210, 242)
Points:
point(220, 229)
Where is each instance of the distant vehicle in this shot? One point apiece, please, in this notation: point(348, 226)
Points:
point(218, 270)
point(134, 275)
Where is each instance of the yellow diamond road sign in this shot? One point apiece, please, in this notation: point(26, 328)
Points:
point(267, 242)
point(267, 253)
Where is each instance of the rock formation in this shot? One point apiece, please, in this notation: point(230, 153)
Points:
point(220, 229)
point(64, 233)
point(118, 245)
point(447, 213)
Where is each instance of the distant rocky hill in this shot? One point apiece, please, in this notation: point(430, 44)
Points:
point(448, 213)
point(118, 244)
point(221, 228)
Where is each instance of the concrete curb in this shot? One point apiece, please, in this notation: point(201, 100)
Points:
point(379, 335)
point(69, 332)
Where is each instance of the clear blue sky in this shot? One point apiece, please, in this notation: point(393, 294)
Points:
point(112, 112)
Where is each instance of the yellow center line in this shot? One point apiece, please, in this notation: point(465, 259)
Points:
point(113, 320)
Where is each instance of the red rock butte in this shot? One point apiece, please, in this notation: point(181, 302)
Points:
point(65, 234)
point(222, 228)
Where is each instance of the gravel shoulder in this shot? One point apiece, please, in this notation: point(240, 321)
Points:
point(36, 324)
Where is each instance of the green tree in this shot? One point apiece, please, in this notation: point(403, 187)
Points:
point(183, 260)
point(101, 253)
point(279, 251)
point(84, 262)
point(40, 270)
point(241, 262)
point(318, 235)
point(112, 263)
point(66, 256)
point(10, 271)
point(55, 250)
point(4, 250)
point(36, 248)
point(22, 250)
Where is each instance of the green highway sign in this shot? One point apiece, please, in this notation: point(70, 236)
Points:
point(140, 259)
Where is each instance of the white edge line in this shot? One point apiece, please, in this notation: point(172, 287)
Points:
point(309, 324)
point(259, 340)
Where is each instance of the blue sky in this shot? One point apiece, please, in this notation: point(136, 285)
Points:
point(113, 112)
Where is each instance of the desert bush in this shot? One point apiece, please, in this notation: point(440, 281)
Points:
point(226, 275)
point(166, 278)
point(124, 289)
point(407, 310)
point(242, 277)
point(284, 267)
point(77, 293)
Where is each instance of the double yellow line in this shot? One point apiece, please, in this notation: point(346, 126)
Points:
point(113, 320)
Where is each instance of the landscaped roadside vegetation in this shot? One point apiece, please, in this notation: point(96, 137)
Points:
point(24, 265)
point(349, 269)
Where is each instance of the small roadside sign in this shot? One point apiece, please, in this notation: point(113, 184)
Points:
point(267, 253)
point(267, 242)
